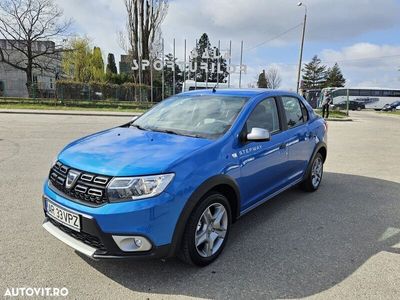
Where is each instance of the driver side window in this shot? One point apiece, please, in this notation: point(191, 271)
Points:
point(264, 115)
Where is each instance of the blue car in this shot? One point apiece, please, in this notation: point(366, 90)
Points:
point(174, 180)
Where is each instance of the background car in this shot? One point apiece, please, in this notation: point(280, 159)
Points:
point(392, 106)
point(353, 105)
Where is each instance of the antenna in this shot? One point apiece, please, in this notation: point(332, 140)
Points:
point(215, 87)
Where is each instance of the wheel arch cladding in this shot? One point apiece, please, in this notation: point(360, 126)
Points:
point(323, 152)
point(223, 184)
point(319, 148)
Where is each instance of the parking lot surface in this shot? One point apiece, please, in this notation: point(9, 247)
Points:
point(341, 242)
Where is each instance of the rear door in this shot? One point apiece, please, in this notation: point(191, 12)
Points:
point(299, 143)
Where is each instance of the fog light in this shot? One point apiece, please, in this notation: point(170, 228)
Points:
point(132, 243)
point(138, 242)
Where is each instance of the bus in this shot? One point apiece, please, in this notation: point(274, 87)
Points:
point(191, 85)
point(374, 98)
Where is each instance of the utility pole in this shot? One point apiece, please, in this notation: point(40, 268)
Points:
point(229, 62)
point(162, 73)
point(302, 45)
point(241, 62)
point(173, 71)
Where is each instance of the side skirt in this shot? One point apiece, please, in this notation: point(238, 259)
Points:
point(269, 197)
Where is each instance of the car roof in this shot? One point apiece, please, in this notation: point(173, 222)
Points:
point(240, 92)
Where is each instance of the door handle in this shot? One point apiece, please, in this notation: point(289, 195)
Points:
point(311, 135)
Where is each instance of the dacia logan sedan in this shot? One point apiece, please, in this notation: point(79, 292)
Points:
point(174, 180)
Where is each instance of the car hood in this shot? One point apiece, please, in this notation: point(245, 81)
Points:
point(128, 151)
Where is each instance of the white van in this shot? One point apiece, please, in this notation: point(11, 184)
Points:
point(191, 85)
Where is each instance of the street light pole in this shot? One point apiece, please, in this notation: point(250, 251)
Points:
point(302, 45)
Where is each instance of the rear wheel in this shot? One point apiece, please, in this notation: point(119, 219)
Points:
point(207, 231)
point(314, 177)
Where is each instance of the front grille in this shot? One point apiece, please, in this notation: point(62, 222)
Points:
point(86, 238)
point(87, 187)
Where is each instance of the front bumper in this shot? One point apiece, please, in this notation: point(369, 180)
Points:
point(99, 253)
point(154, 219)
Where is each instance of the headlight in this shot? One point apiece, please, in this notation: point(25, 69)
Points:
point(134, 188)
point(53, 162)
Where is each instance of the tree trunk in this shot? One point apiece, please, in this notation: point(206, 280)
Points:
point(29, 83)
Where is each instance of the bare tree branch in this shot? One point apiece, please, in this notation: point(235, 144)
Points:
point(143, 29)
point(30, 30)
point(274, 80)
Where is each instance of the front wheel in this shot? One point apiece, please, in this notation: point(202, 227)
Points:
point(207, 231)
point(314, 177)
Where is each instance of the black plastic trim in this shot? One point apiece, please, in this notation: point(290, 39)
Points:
point(318, 147)
point(195, 199)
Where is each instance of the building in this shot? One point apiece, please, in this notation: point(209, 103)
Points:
point(125, 64)
point(13, 81)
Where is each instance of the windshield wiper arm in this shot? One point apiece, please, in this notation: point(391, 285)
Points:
point(176, 132)
point(139, 127)
point(166, 131)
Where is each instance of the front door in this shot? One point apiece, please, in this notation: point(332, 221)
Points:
point(263, 163)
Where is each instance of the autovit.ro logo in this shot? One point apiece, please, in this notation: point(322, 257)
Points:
point(36, 292)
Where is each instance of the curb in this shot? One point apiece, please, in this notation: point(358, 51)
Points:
point(339, 120)
point(69, 113)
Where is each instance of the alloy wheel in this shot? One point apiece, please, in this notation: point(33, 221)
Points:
point(211, 230)
point(316, 172)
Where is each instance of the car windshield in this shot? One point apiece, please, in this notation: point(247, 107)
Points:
point(206, 116)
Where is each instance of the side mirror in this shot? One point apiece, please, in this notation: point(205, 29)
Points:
point(259, 135)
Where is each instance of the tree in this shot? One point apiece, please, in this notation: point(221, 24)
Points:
point(262, 80)
point(29, 26)
point(82, 62)
point(335, 77)
point(76, 62)
point(269, 79)
point(205, 55)
point(97, 65)
point(273, 78)
point(314, 74)
point(111, 66)
point(142, 35)
point(169, 75)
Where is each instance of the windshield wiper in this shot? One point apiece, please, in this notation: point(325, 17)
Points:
point(139, 127)
point(175, 132)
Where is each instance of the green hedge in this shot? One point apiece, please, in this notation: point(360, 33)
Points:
point(134, 105)
point(66, 89)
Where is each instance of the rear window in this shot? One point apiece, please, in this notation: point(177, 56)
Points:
point(296, 112)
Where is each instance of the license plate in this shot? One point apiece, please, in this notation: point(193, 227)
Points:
point(63, 216)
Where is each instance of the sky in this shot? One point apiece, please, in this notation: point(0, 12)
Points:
point(362, 36)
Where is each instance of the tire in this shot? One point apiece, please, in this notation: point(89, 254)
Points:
point(314, 176)
point(199, 224)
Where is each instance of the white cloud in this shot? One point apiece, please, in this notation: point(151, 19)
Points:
point(330, 23)
point(259, 20)
point(367, 64)
point(100, 20)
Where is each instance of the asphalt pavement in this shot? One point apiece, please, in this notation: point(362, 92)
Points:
point(341, 242)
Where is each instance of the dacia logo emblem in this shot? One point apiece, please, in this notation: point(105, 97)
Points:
point(72, 177)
